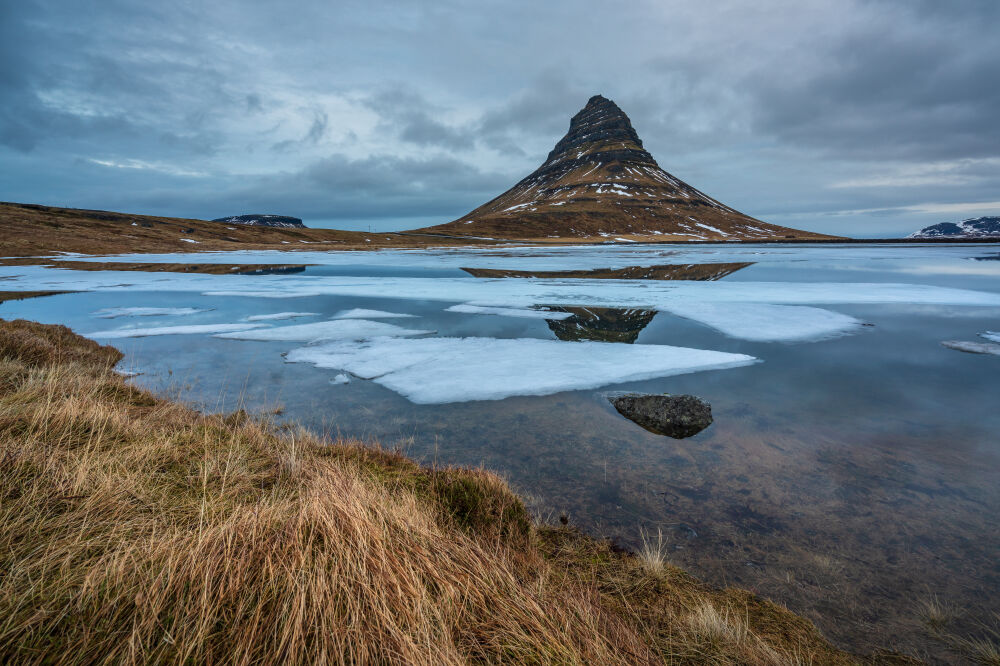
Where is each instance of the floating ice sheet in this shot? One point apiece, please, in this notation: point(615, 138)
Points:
point(761, 322)
point(279, 316)
point(641, 294)
point(170, 330)
point(362, 313)
point(528, 313)
point(973, 347)
point(991, 335)
point(439, 370)
point(511, 293)
point(571, 257)
point(111, 313)
point(336, 329)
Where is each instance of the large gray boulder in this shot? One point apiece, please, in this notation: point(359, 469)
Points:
point(676, 416)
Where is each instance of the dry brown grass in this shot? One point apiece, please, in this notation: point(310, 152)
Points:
point(983, 647)
point(134, 530)
point(31, 230)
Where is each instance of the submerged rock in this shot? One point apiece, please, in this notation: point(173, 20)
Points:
point(676, 416)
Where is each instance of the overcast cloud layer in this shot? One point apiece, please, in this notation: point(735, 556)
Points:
point(858, 117)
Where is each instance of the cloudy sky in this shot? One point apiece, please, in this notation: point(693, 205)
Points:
point(858, 117)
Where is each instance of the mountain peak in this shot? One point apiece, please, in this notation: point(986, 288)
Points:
point(600, 182)
point(601, 126)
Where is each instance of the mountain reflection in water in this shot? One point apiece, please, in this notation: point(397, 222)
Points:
point(701, 272)
point(600, 324)
point(612, 324)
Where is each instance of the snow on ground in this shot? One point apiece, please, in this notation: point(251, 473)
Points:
point(111, 313)
point(762, 322)
point(335, 329)
point(528, 313)
point(973, 347)
point(280, 316)
point(170, 330)
point(440, 370)
point(362, 313)
point(709, 227)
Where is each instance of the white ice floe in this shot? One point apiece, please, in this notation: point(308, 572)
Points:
point(170, 330)
point(571, 257)
point(335, 329)
point(439, 370)
point(362, 313)
point(762, 322)
point(340, 379)
point(516, 293)
point(973, 347)
point(279, 316)
point(111, 313)
point(528, 313)
point(991, 335)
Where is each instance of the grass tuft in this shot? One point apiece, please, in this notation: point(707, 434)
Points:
point(134, 530)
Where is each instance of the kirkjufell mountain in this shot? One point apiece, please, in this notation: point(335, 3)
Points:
point(599, 182)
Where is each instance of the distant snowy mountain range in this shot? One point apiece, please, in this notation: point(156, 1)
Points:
point(974, 227)
point(263, 220)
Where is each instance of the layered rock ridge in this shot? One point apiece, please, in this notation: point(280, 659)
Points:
point(599, 182)
point(258, 220)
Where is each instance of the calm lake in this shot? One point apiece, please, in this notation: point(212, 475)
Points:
point(853, 469)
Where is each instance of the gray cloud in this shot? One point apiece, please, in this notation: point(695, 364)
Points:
point(407, 114)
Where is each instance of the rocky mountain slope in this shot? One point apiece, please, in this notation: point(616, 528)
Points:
point(263, 220)
point(974, 227)
point(599, 181)
point(32, 230)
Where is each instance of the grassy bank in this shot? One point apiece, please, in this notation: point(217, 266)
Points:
point(134, 530)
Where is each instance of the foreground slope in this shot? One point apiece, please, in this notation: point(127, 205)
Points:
point(134, 530)
point(599, 181)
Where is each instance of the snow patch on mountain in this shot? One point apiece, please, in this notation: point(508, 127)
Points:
point(974, 227)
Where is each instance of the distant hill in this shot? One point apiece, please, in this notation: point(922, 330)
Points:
point(974, 227)
point(263, 220)
point(599, 181)
point(32, 230)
